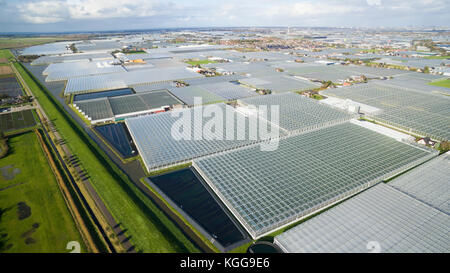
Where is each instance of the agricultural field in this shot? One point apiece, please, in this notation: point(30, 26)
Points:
point(9, 86)
point(5, 55)
point(13, 121)
point(5, 70)
point(33, 213)
point(9, 43)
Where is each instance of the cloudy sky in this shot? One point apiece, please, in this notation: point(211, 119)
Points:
point(79, 15)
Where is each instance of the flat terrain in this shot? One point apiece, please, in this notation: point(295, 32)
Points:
point(442, 83)
point(24, 42)
point(438, 57)
point(5, 55)
point(16, 120)
point(5, 70)
point(33, 213)
point(10, 86)
point(200, 62)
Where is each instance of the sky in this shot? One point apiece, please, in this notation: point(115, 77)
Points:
point(97, 15)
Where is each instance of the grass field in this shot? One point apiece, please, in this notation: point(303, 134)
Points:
point(149, 227)
point(438, 57)
point(441, 83)
point(50, 226)
point(18, 42)
point(135, 52)
point(5, 54)
point(199, 62)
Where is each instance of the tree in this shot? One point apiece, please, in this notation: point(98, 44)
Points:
point(327, 84)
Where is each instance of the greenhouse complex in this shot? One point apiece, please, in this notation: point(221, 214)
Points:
point(303, 175)
point(381, 219)
point(405, 108)
point(229, 139)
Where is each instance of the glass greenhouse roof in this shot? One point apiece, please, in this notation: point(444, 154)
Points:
point(267, 190)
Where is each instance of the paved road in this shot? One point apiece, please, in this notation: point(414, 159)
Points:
point(19, 108)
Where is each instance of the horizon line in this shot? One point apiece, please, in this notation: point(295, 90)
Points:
point(441, 28)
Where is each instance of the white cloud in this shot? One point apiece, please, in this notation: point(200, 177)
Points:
point(373, 2)
point(93, 9)
point(222, 13)
point(310, 8)
point(307, 9)
point(43, 12)
point(53, 11)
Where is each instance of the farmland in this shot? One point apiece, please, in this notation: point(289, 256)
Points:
point(34, 216)
point(16, 120)
point(5, 70)
point(5, 55)
point(10, 43)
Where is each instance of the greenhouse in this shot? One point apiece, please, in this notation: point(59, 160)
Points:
point(380, 219)
point(429, 183)
point(146, 87)
point(64, 71)
point(159, 148)
point(159, 98)
point(408, 109)
point(308, 172)
point(229, 91)
point(99, 45)
point(78, 57)
point(95, 109)
point(125, 79)
point(211, 80)
point(189, 93)
point(332, 73)
point(373, 72)
point(48, 49)
point(298, 113)
point(127, 104)
point(109, 108)
point(419, 83)
point(279, 83)
point(336, 73)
